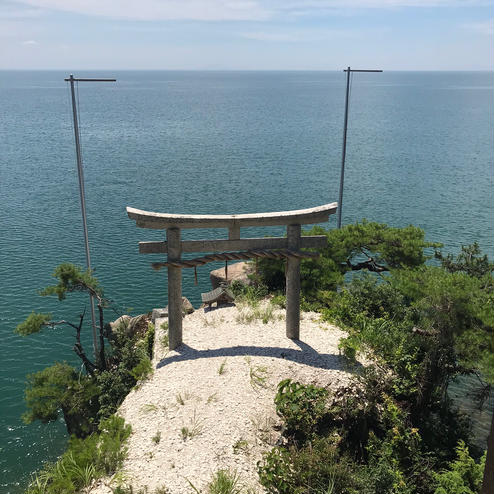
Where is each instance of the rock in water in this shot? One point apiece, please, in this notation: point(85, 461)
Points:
point(122, 319)
point(238, 271)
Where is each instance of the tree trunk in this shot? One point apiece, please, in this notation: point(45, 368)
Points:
point(79, 350)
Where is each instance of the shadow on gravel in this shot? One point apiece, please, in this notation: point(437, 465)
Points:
point(306, 355)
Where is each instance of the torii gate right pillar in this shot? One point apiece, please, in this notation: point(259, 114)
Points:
point(293, 284)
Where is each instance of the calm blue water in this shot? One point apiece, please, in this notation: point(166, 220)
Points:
point(420, 150)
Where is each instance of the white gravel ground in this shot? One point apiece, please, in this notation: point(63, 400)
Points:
point(209, 405)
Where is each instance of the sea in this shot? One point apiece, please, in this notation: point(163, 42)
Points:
point(419, 151)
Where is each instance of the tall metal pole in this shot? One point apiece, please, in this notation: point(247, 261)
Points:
point(345, 128)
point(343, 152)
point(82, 194)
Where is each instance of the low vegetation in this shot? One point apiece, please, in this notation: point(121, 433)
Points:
point(393, 429)
point(98, 454)
point(87, 399)
point(424, 317)
point(224, 482)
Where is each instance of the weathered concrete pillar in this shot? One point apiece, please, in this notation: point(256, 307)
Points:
point(234, 232)
point(293, 285)
point(174, 289)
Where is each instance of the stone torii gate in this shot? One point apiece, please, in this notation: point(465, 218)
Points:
point(227, 249)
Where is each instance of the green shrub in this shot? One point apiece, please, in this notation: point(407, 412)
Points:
point(61, 387)
point(250, 294)
point(114, 386)
point(129, 363)
point(367, 245)
point(349, 346)
point(315, 468)
point(143, 369)
point(149, 340)
point(301, 407)
point(463, 475)
point(279, 301)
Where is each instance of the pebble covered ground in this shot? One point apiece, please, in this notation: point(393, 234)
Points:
point(209, 405)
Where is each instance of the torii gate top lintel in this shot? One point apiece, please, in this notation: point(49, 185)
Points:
point(278, 248)
point(159, 221)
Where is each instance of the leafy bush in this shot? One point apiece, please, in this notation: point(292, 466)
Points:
point(372, 246)
point(142, 369)
point(60, 387)
point(129, 363)
point(279, 301)
point(250, 294)
point(148, 341)
point(302, 407)
point(392, 427)
point(315, 468)
point(463, 475)
point(470, 261)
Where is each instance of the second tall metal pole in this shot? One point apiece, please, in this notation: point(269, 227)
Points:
point(343, 154)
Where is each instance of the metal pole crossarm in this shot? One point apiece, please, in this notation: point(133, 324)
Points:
point(362, 70)
point(71, 78)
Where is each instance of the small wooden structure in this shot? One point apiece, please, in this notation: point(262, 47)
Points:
point(220, 295)
point(270, 247)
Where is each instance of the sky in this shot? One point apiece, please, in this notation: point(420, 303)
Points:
point(247, 34)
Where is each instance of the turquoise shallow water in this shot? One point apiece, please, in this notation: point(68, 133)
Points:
point(420, 150)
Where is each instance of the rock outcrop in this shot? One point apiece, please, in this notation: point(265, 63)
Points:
point(238, 271)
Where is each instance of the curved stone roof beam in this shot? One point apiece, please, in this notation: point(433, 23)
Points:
point(159, 221)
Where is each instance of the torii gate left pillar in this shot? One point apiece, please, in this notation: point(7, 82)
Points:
point(289, 247)
point(174, 289)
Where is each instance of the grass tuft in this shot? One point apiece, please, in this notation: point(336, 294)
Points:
point(193, 429)
point(225, 482)
point(212, 398)
point(149, 407)
point(182, 398)
point(222, 368)
point(157, 437)
point(240, 446)
point(248, 314)
point(258, 376)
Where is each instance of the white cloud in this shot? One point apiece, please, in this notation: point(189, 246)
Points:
point(266, 36)
point(10, 10)
point(147, 10)
point(227, 10)
point(316, 5)
point(30, 42)
point(486, 27)
point(308, 35)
